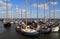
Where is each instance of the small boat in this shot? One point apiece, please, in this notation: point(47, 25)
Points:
point(6, 23)
point(18, 29)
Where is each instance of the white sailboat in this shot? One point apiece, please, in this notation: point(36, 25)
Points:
point(53, 23)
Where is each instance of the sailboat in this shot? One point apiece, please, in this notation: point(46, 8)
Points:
point(27, 31)
point(20, 23)
point(11, 17)
point(6, 21)
point(53, 23)
point(16, 21)
point(45, 29)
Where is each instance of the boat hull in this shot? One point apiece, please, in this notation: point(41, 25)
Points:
point(46, 31)
point(55, 29)
point(12, 22)
point(18, 29)
point(28, 34)
point(7, 24)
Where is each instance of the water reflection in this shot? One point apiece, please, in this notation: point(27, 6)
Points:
point(55, 35)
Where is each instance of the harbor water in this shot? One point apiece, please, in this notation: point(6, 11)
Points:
point(10, 33)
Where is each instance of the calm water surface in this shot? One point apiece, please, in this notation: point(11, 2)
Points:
point(10, 33)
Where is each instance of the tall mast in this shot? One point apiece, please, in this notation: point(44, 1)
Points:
point(44, 14)
point(18, 13)
point(6, 8)
point(49, 10)
point(21, 13)
point(54, 10)
point(30, 11)
point(11, 14)
point(37, 9)
point(26, 12)
point(15, 13)
point(1, 15)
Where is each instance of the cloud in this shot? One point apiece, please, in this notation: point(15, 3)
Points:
point(41, 6)
point(23, 10)
point(56, 14)
point(1, 2)
point(3, 5)
point(54, 3)
point(19, 10)
point(35, 5)
point(2, 8)
point(55, 10)
point(6, 0)
point(16, 9)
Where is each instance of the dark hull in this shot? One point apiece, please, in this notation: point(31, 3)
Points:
point(43, 31)
point(7, 25)
point(28, 34)
point(34, 34)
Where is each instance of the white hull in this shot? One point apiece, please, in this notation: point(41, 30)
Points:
point(16, 22)
point(12, 22)
point(55, 29)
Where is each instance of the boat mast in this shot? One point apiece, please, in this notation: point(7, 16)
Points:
point(1, 15)
point(6, 9)
point(21, 13)
point(26, 13)
point(14, 18)
point(37, 10)
point(18, 13)
point(30, 11)
point(49, 11)
point(53, 10)
point(11, 14)
point(44, 14)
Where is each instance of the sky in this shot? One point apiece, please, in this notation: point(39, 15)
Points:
point(15, 6)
